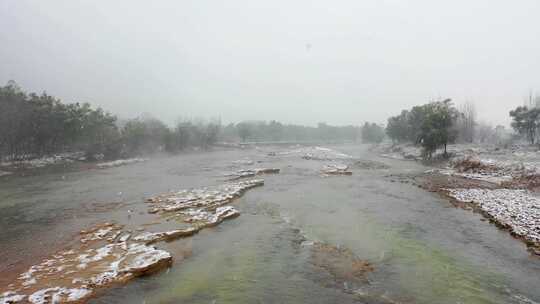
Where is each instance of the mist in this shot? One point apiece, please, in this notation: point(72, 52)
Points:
point(240, 151)
point(297, 62)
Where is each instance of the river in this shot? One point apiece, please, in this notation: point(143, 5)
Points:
point(422, 249)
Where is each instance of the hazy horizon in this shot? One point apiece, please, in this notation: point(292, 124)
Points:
point(298, 62)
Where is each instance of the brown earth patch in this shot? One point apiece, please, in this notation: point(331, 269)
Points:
point(344, 266)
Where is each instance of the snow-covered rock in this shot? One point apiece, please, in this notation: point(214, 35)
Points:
point(74, 275)
point(100, 232)
point(108, 254)
point(201, 198)
point(120, 162)
point(203, 219)
point(244, 173)
point(335, 169)
point(152, 237)
point(55, 159)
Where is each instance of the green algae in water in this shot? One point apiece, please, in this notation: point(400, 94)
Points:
point(432, 275)
point(242, 266)
point(418, 270)
point(429, 274)
point(221, 275)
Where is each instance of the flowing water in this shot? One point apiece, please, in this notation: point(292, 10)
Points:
point(422, 249)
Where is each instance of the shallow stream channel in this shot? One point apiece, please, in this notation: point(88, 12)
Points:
point(303, 237)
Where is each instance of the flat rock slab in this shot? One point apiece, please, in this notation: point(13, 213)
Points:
point(75, 275)
point(335, 169)
point(207, 198)
point(245, 173)
point(108, 254)
point(120, 162)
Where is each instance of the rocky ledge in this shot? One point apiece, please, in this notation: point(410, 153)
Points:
point(335, 169)
point(108, 253)
point(75, 275)
point(245, 173)
point(120, 162)
point(205, 198)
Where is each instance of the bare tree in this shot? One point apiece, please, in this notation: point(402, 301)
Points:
point(532, 100)
point(466, 122)
point(485, 133)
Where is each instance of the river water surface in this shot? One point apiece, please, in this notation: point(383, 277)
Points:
point(422, 249)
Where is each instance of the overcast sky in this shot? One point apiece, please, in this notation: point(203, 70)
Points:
point(341, 61)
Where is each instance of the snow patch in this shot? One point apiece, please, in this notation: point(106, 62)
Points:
point(517, 210)
point(120, 162)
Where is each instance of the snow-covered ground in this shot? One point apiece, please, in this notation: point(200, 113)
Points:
point(46, 161)
point(58, 159)
point(518, 210)
point(481, 162)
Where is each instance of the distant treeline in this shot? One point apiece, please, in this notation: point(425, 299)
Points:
point(33, 125)
point(273, 131)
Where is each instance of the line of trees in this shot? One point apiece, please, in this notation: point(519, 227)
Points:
point(33, 125)
point(274, 131)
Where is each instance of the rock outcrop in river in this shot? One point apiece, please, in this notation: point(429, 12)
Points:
point(120, 162)
point(205, 198)
point(335, 169)
point(74, 275)
point(109, 254)
point(244, 173)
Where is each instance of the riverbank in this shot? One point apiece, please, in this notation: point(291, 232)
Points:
point(77, 161)
point(501, 184)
